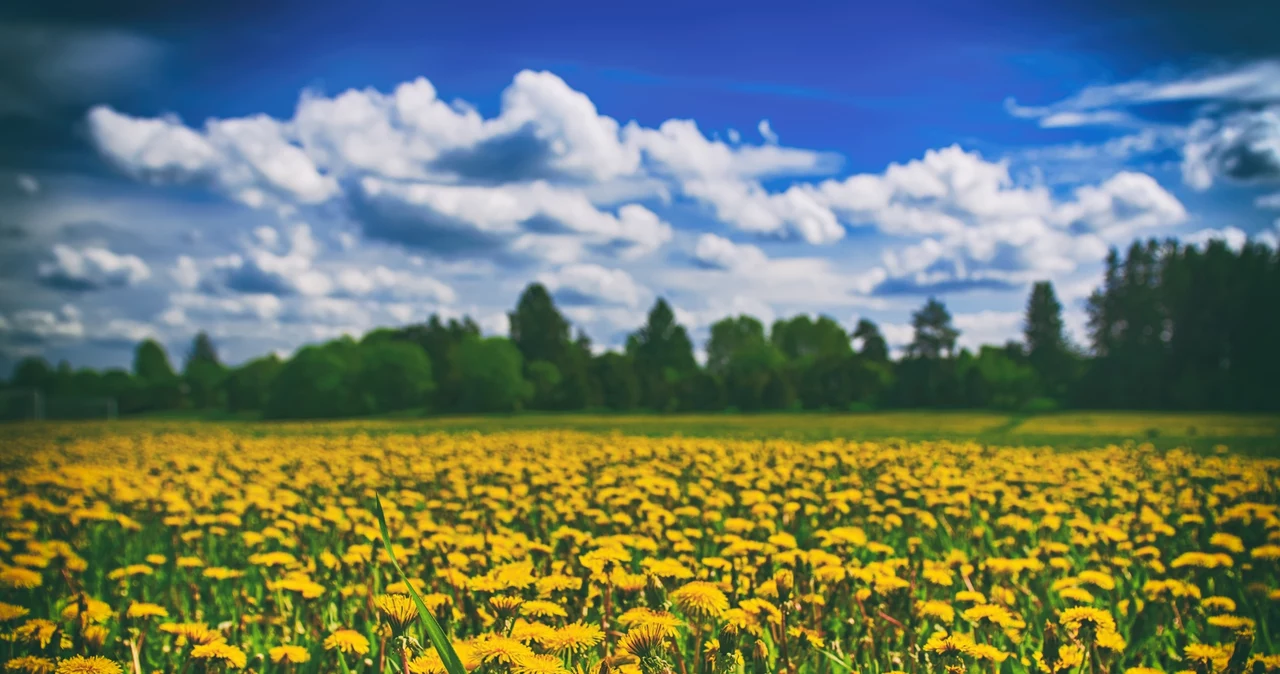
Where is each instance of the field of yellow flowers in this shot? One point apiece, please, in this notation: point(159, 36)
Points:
point(210, 550)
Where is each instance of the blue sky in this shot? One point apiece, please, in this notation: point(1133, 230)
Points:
point(283, 175)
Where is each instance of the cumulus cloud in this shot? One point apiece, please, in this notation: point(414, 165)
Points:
point(987, 327)
point(593, 284)
point(1234, 237)
point(980, 229)
point(261, 270)
point(477, 219)
point(401, 284)
point(37, 326)
point(1243, 147)
point(91, 268)
point(718, 252)
point(251, 158)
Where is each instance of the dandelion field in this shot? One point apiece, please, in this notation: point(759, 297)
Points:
point(192, 548)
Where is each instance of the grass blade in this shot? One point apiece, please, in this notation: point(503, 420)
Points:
point(452, 663)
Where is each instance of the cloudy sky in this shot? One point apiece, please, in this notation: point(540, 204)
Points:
point(285, 175)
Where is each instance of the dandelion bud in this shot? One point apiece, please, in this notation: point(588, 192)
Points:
point(728, 639)
point(1049, 651)
point(1240, 654)
point(655, 595)
point(785, 582)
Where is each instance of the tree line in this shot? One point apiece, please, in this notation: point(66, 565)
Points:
point(1171, 327)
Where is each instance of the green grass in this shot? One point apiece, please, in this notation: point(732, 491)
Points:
point(1250, 434)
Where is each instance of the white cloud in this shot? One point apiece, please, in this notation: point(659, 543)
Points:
point(766, 132)
point(260, 270)
point(719, 252)
point(40, 325)
point(185, 273)
point(1255, 82)
point(356, 282)
point(1125, 204)
point(987, 327)
point(1234, 237)
point(505, 212)
point(1244, 147)
point(91, 268)
point(592, 283)
point(1268, 201)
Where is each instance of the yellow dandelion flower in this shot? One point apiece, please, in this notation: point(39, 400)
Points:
point(11, 612)
point(939, 610)
point(493, 648)
point(94, 664)
point(30, 664)
point(543, 609)
point(230, 655)
point(644, 642)
point(539, 664)
point(144, 610)
point(36, 631)
point(347, 641)
point(642, 617)
point(700, 598)
point(574, 637)
point(398, 609)
point(20, 578)
point(291, 654)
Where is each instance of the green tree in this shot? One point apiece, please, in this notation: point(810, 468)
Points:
point(935, 336)
point(319, 382)
point(615, 374)
point(248, 386)
point(33, 372)
point(874, 347)
point(1047, 350)
point(491, 371)
point(663, 354)
point(802, 338)
point(151, 362)
point(159, 387)
point(441, 341)
point(394, 374)
point(203, 374)
point(750, 366)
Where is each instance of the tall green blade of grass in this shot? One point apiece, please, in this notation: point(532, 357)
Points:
point(429, 625)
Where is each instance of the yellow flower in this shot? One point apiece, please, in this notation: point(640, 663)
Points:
point(144, 610)
point(30, 664)
point(574, 637)
point(347, 641)
point(1231, 622)
point(18, 577)
point(220, 650)
point(91, 665)
point(937, 609)
point(700, 598)
point(292, 654)
point(540, 664)
point(11, 612)
point(398, 609)
point(492, 648)
point(644, 642)
point(543, 609)
point(640, 617)
point(1085, 617)
point(36, 631)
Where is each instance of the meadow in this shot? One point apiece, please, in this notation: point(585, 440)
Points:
point(807, 544)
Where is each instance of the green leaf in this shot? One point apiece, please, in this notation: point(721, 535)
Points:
point(452, 663)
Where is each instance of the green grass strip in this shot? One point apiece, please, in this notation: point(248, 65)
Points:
point(429, 625)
